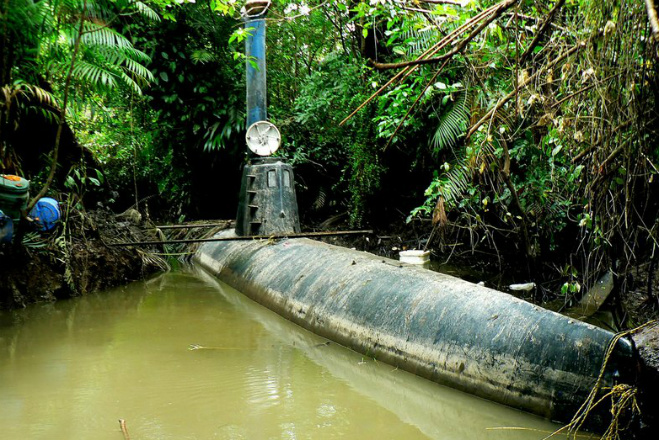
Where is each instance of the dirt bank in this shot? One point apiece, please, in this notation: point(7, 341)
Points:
point(74, 259)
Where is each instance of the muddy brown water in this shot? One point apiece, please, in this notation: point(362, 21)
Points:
point(184, 356)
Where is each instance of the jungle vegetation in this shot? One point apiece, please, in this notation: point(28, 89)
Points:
point(521, 129)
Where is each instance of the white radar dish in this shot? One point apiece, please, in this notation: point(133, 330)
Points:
point(263, 138)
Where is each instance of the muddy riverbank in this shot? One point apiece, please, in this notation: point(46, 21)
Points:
point(74, 259)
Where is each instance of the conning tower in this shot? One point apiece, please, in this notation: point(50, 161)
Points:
point(267, 201)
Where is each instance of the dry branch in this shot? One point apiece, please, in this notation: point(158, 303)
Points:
point(582, 90)
point(244, 238)
point(412, 107)
point(583, 153)
point(224, 223)
point(442, 2)
point(530, 18)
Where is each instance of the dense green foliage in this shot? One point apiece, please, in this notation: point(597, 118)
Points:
point(513, 136)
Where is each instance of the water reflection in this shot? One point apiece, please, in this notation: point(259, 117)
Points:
point(71, 369)
point(438, 412)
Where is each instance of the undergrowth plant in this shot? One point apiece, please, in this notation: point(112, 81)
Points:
point(557, 140)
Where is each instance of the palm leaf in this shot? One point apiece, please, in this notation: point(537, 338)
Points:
point(419, 40)
point(456, 182)
point(116, 54)
point(129, 60)
point(453, 124)
point(130, 82)
point(94, 74)
point(138, 71)
point(202, 56)
point(95, 34)
point(145, 10)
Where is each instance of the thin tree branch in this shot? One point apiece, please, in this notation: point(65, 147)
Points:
point(442, 2)
point(504, 100)
point(421, 11)
point(582, 90)
point(504, 6)
point(541, 30)
point(124, 429)
point(536, 19)
point(415, 104)
point(583, 153)
point(448, 39)
point(429, 52)
point(602, 167)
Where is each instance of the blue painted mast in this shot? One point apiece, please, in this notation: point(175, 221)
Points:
point(267, 201)
point(255, 64)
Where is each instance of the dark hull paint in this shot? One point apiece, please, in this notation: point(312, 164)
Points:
point(450, 331)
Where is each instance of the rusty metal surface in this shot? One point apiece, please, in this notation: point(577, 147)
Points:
point(448, 330)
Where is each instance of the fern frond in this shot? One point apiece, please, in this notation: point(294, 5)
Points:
point(26, 16)
point(320, 201)
point(453, 124)
point(202, 56)
point(10, 94)
point(34, 240)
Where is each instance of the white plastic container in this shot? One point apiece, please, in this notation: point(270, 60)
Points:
point(415, 257)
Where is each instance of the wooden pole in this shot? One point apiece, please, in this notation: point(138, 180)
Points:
point(124, 429)
point(245, 238)
point(192, 226)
